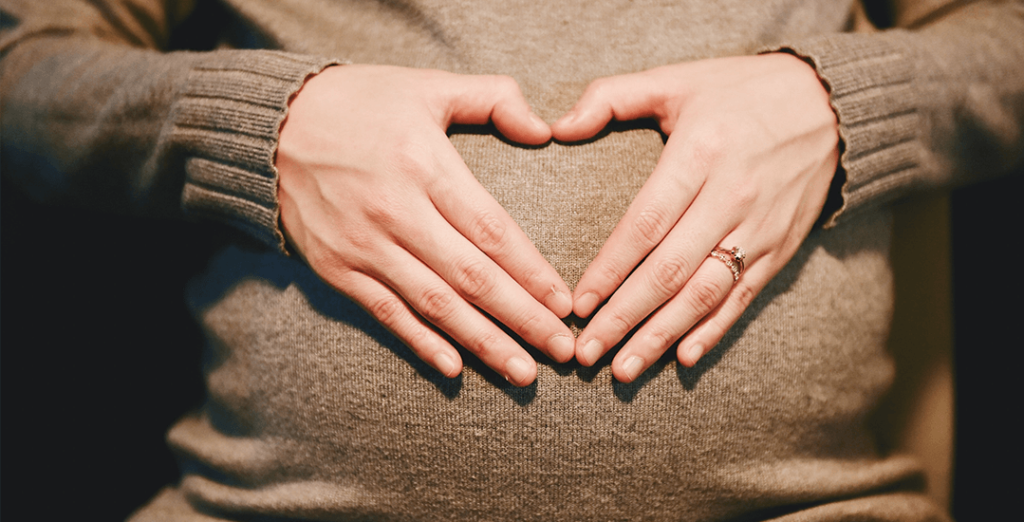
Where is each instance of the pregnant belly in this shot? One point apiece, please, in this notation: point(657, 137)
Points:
point(316, 412)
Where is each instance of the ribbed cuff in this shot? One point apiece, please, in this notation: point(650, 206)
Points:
point(227, 123)
point(870, 86)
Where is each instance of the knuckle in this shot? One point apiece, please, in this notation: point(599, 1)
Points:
point(336, 269)
point(386, 310)
point(363, 239)
point(385, 209)
point(669, 274)
point(743, 194)
point(611, 273)
point(473, 279)
point(651, 225)
point(486, 346)
point(438, 304)
point(686, 184)
point(660, 337)
point(620, 322)
point(488, 232)
point(411, 159)
point(704, 295)
point(598, 88)
point(528, 326)
point(708, 148)
point(532, 277)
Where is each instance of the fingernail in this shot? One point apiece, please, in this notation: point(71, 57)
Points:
point(592, 351)
point(633, 366)
point(586, 304)
point(517, 371)
point(445, 364)
point(694, 353)
point(561, 347)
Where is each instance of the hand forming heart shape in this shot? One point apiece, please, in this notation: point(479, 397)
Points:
point(378, 202)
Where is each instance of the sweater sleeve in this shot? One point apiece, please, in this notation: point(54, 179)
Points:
point(96, 113)
point(936, 101)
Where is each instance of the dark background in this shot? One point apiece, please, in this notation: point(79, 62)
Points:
point(100, 355)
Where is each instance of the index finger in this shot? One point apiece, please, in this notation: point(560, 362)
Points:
point(660, 277)
point(472, 211)
point(649, 218)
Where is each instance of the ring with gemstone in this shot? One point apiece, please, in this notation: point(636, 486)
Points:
point(733, 258)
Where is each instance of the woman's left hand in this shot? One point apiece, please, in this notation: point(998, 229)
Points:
point(752, 149)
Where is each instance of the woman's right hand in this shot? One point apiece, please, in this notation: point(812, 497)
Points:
point(376, 199)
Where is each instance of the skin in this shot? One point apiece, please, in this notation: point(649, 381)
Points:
point(375, 198)
point(752, 148)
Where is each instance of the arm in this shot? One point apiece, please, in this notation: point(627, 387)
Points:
point(937, 101)
point(95, 114)
point(754, 143)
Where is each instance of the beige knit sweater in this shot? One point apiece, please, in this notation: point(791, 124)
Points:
point(315, 412)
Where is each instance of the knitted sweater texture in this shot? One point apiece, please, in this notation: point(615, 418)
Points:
point(316, 412)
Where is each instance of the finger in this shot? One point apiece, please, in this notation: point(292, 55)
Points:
point(392, 312)
point(438, 303)
point(688, 160)
point(658, 278)
point(624, 97)
point(479, 280)
point(702, 293)
point(649, 218)
point(475, 100)
point(468, 207)
point(710, 330)
point(673, 185)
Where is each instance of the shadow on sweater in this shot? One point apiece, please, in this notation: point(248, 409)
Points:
point(239, 263)
point(689, 377)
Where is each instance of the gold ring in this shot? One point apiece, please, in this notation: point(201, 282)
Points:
point(733, 258)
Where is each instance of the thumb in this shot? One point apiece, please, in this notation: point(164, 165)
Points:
point(479, 99)
point(623, 98)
